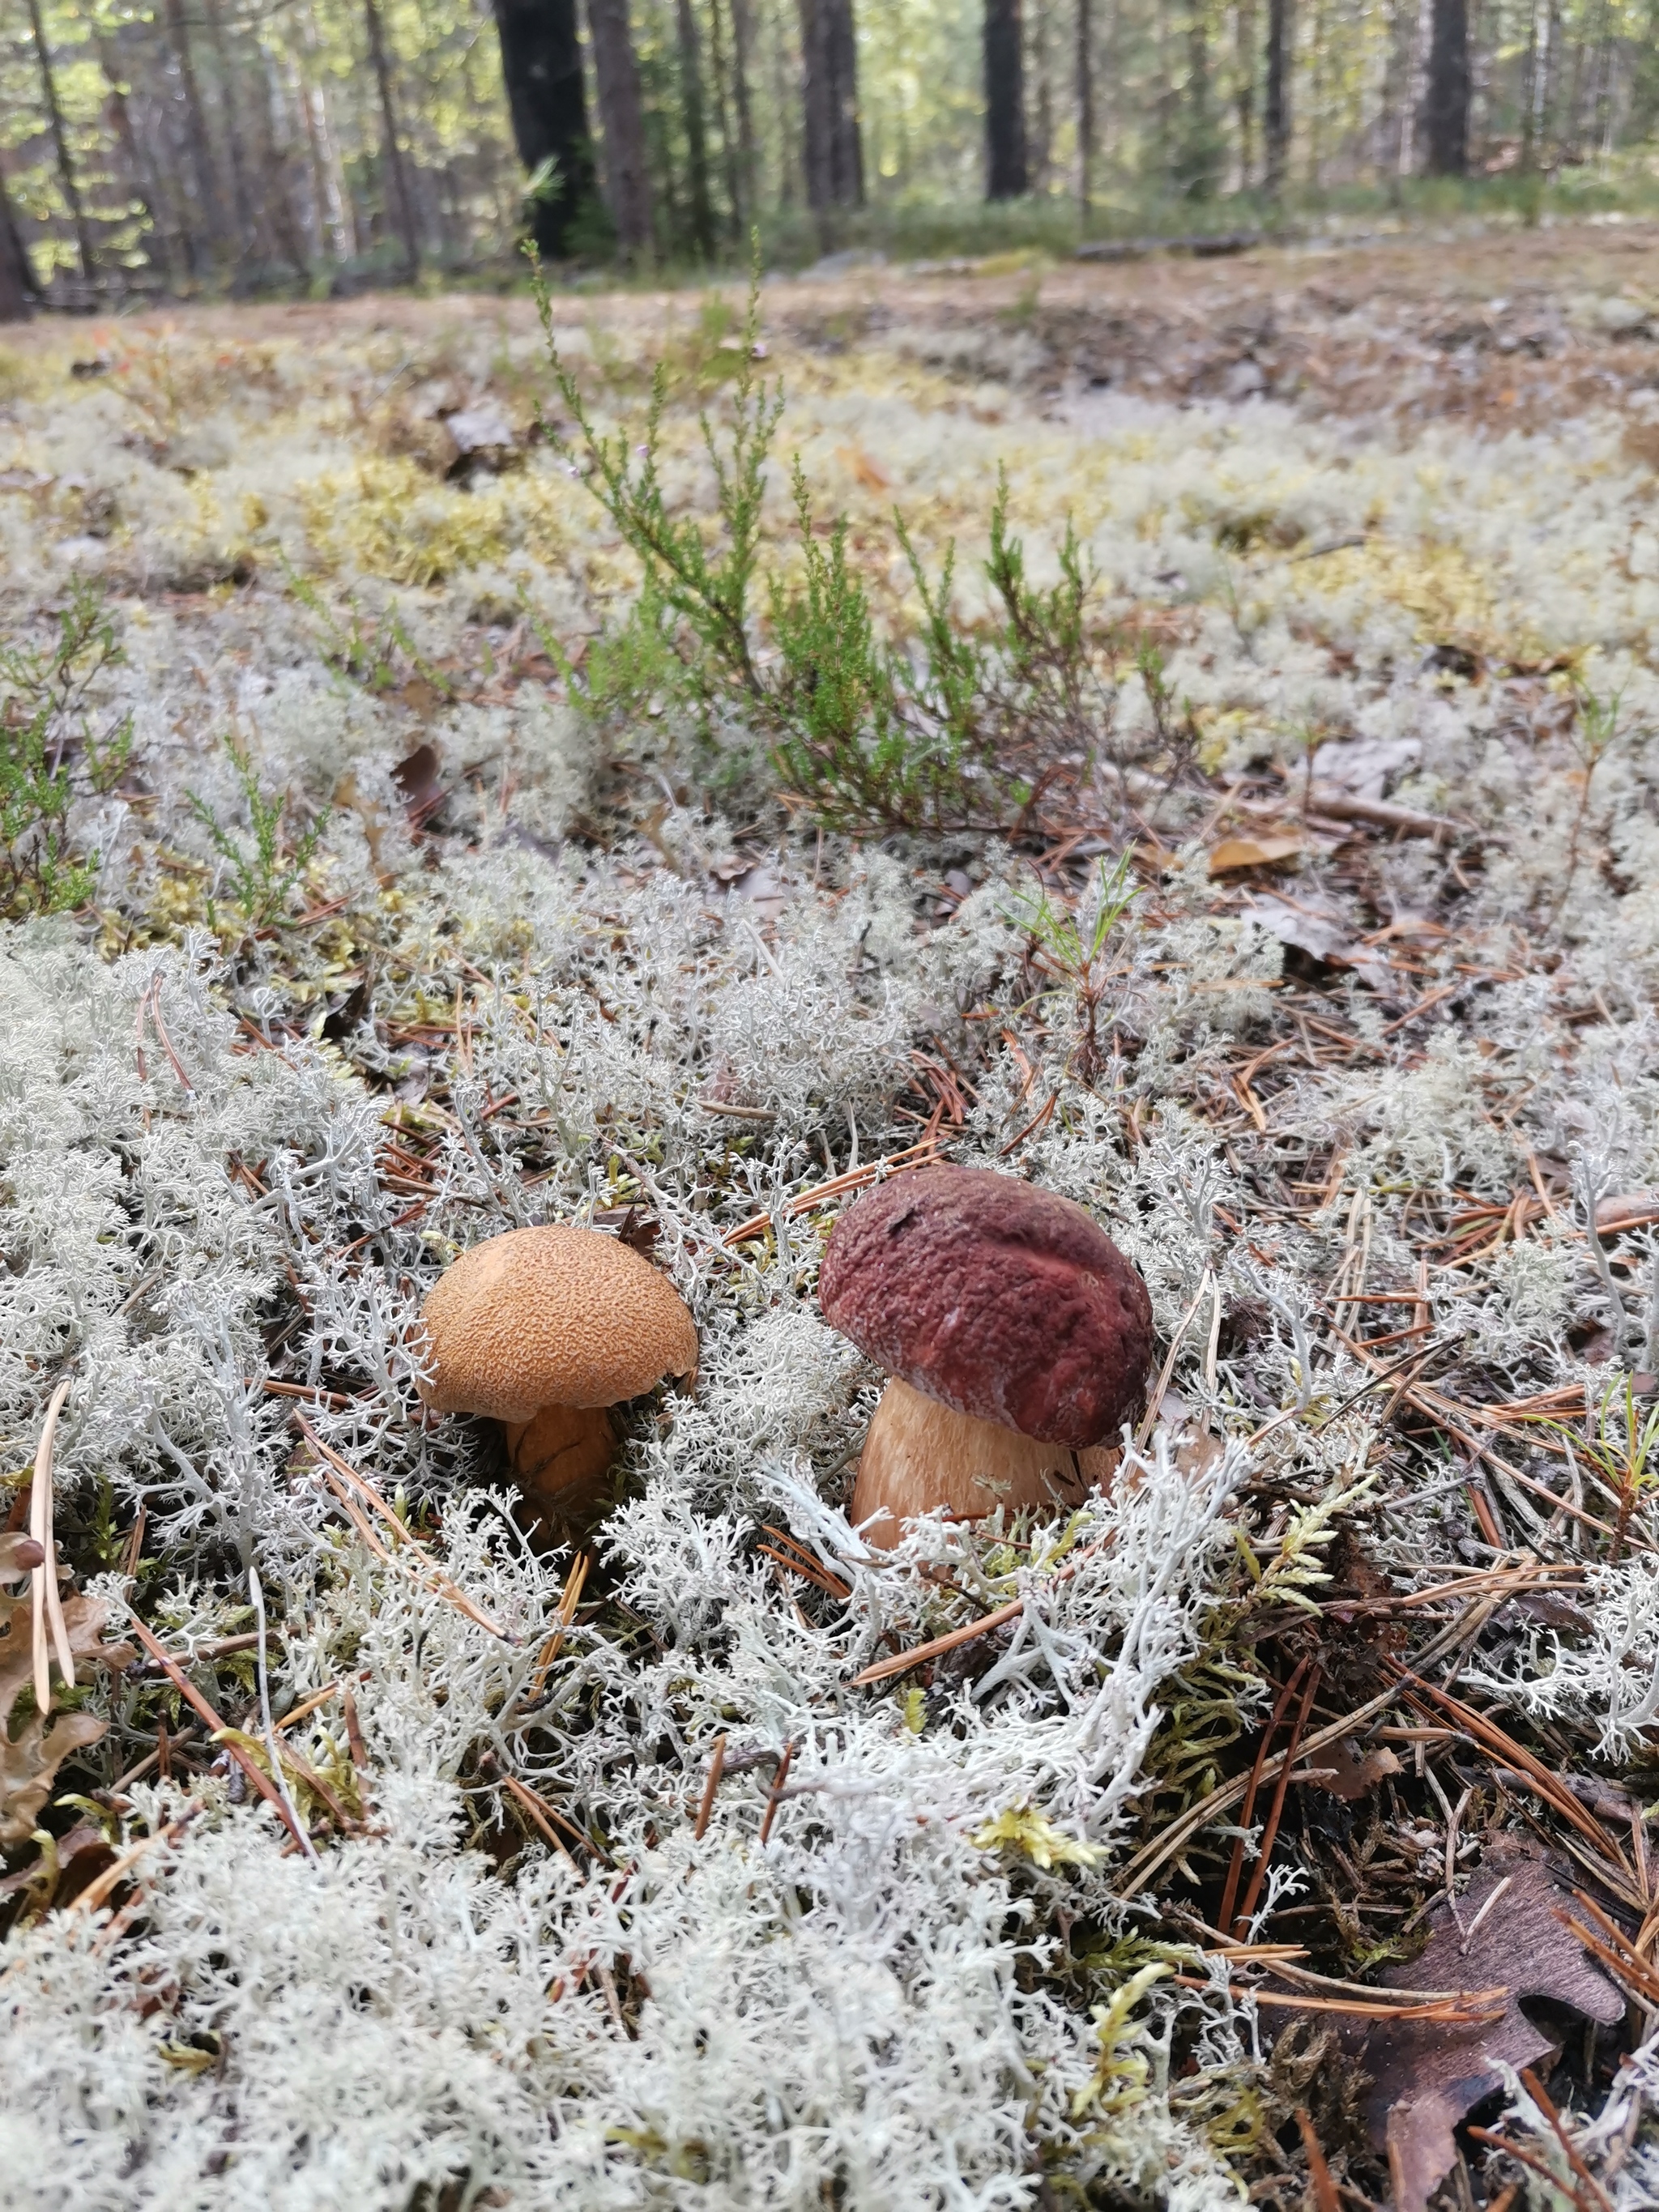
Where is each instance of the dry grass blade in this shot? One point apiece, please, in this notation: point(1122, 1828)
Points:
point(825, 1193)
point(901, 1662)
point(1478, 2009)
point(46, 1605)
point(440, 1584)
point(220, 1730)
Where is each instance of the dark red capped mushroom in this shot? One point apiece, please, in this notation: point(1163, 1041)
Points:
point(1018, 1335)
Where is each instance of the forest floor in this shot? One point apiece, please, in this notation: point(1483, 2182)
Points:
point(1269, 865)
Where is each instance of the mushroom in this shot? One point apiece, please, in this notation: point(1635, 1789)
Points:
point(1018, 1336)
point(543, 1329)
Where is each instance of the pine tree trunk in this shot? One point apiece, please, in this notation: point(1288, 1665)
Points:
point(140, 177)
point(234, 142)
point(1244, 90)
point(1276, 105)
point(199, 251)
point(1085, 107)
point(1005, 176)
point(1446, 99)
point(743, 47)
point(17, 279)
point(830, 106)
point(67, 180)
point(542, 68)
point(697, 141)
point(616, 73)
point(726, 103)
point(400, 207)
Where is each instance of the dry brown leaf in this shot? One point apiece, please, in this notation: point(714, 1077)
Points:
point(30, 1759)
point(1351, 1774)
point(1426, 2079)
point(869, 472)
point(1263, 852)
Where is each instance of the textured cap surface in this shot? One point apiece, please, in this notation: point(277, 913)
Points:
point(554, 1316)
point(1006, 1302)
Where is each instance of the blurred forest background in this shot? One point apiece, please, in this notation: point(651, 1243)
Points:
point(237, 147)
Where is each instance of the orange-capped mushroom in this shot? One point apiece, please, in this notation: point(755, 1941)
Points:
point(544, 1330)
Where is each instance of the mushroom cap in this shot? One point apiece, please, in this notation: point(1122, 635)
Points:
point(1006, 1302)
point(554, 1316)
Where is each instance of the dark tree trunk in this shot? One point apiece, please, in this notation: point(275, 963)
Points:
point(66, 176)
point(616, 73)
point(1276, 105)
point(204, 183)
point(743, 47)
point(1005, 176)
point(835, 161)
point(541, 68)
point(1244, 91)
point(232, 130)
point(1446, 98)
point(400, 206)
point(141, 177)
point(1085, 106)
point(16, 278)
point(696, 138)
point(725, 102)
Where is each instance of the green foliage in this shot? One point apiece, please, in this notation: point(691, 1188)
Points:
point(51, 755)
point(1073, 949)
point(263, 877)
point(863, 733)
point(707, 587)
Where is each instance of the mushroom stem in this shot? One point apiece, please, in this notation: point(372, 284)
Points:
point(561, 1456)
point(921, 1454)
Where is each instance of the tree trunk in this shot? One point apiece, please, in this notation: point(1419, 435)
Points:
point(1085, 106)
point(1244, 91)
point(1005, 176)
point(399, 206)
point(541, 68)
point(141, 179)
point(696, 140)
point(617, 72)
point(743, 47)
point(242, 199)
point(834, 162)
point(66, 176)
point(1276, 106)
point(725, 102)
point(203, 178)
point(1446, 98)
point(16, 278)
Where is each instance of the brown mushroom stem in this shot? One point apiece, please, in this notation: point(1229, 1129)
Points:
point(563, 1454)
point(919, 1454)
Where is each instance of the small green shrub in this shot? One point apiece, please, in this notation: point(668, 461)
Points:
point(954, 727)
point(51, 755)
point(264, 877)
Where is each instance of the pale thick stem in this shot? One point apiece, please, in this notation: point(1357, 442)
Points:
point(920, 1455)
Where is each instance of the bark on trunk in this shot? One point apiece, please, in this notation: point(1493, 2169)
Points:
point(234, 143)
point(1276, 106)
point(617, 72)
point(399, 206)
point(17, 279)
point(725, 104)
point(1244, 91)
point(1005, 176)
point(743, 47)
point(1085, 106)
point(541, 68)
point(1446, 98)
point(696, 139)
point(204, 183)
point(66, 177)
point(829, 104)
